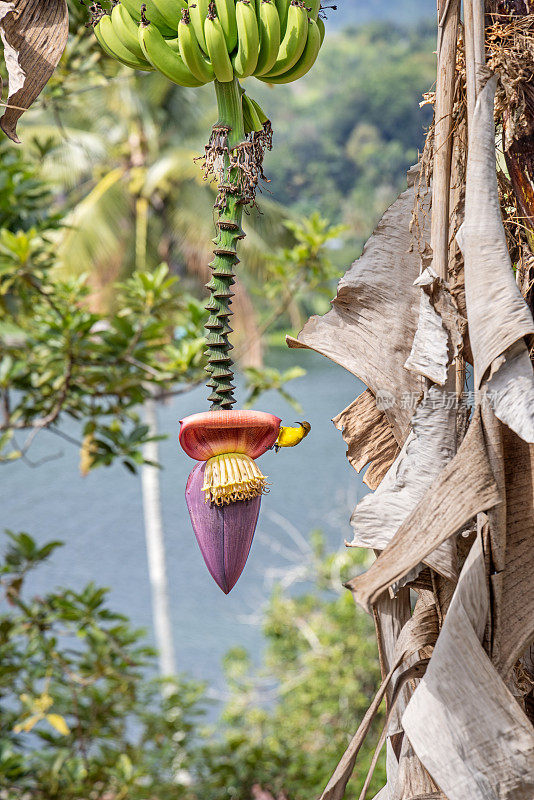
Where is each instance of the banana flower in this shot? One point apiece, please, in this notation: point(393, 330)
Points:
point(224, 489)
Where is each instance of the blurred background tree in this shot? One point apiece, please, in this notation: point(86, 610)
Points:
point(83, 718)
point(60, 359)
point(287, 722)
point(79, 717)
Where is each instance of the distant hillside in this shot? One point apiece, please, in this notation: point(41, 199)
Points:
point(351, 12)
point(347, 132)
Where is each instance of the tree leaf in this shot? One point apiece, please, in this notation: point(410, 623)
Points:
point(27, 725)
point(57, 722)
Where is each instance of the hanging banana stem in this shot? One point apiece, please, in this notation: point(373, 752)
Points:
point(227, 134)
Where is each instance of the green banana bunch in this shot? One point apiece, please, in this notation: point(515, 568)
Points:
point(193, 42)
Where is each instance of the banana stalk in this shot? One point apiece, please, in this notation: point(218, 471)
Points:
point(229, 133)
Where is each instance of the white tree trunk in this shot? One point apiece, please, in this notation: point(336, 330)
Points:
point(155, 546)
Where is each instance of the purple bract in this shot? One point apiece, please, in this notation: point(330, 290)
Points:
point(224, 533)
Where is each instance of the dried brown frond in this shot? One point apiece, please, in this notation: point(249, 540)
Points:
point(212, 162)
point(459, 134)
point(96, 12)
point(237, 170)
point(262, 141)
point(457, 207)
point(419, 221)
point(247, 165)
point(510, 51)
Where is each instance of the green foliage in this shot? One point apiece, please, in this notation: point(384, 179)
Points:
point(347, 133)
point(24, 199)
point(298, 279)
point(268, 379)
point(60, 359)
point(304, 268)
point(288, 724)
point(79, 717)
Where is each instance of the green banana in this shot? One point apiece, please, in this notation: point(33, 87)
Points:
point(246, 58)
point(170, 10)
point(257, 124)
point(164, 58)
point(269, 26)
point(282, 6)
point(126, 30)
point(198, 11)
point(216, 44)
point(133, 7)
point(100, 40)
point(190, 51)
point(110, 42)
point(307, 59)
point(226, 13)
point(294, 40)
point(322, 30)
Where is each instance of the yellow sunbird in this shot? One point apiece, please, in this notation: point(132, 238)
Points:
point(289, 437)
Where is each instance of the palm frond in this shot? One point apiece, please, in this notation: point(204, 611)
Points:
point(99, 229)
point(71, 153)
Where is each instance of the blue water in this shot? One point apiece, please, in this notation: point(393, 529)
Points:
point(100, 520)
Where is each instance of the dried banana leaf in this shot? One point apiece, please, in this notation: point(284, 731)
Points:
point(430, 446)
point(463, 723)
point(439, 323)
point(463, 488)
point(34, 34)
point(369, 438)
point(497, 337)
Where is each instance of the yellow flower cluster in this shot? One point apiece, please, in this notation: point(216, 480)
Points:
point(232, 476)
